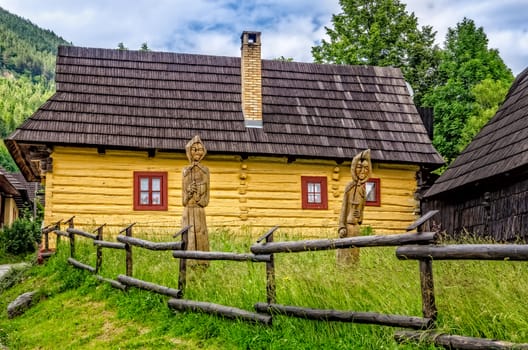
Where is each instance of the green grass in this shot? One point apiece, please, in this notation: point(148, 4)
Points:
point(474, 298)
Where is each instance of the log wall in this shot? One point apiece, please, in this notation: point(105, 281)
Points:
point(254, 192)
point(498, 213)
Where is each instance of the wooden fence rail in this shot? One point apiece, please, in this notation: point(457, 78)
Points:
point(517, 252)
point(220, 310)
point(199, 255)
point(343, 243)
point(346, 316)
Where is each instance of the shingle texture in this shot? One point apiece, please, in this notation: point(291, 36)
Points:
point(154, 100)
point(500, 147)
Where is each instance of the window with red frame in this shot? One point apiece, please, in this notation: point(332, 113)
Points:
point(372, 187)
point(150, 190)
point(314, 192)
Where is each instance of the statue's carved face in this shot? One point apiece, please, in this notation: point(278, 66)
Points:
point(362, 170)
point(197, 151)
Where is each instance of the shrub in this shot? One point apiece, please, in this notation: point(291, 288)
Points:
point(23, 236)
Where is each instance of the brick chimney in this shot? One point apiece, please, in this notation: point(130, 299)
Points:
point(251, 74)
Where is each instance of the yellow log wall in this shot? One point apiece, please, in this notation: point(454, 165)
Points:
point(256, 193)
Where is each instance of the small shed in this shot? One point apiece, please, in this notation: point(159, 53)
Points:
point(484, 192)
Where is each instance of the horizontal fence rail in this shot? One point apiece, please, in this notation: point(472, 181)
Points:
point(456, 341)
point(134, 282)
point(62, 233)
point(220, 310)
point(342, 243)
point(150, 245)
point(516, 252)
point(346, 316)
point(113, 283)
point(200, 255)
point(106, 244)
point(80, 265)
point(81, 233)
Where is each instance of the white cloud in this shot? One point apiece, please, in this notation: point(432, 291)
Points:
point(289, 27)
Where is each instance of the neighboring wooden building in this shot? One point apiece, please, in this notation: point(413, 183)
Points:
point(280, 137)
point(15, 194)
point(485, 191)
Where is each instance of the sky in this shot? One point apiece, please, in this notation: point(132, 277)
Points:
point(289, 27)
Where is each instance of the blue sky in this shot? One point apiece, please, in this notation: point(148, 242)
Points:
point(289, 27)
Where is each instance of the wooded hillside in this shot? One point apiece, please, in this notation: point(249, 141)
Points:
point(26, 48)
point(27, 70)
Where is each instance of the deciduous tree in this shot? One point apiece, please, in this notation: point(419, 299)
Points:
point(381, 33)
point(466, 61)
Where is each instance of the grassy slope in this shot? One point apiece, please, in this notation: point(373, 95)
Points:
point(480, 299)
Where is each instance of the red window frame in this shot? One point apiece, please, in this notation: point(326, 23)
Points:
point(376, 202)
point(138, 176)
point(309, 196)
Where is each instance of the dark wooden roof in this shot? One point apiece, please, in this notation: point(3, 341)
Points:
point(501, 146)
point(7, 188)
point(155, 100)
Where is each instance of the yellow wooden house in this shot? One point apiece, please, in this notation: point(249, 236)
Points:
point(279, 136)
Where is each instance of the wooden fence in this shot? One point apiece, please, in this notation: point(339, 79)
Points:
point(417, 246)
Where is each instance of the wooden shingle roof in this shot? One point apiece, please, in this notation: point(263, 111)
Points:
point(501, 146)
point(154, 100)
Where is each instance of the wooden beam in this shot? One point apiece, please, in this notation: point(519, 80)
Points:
point(339, 243)
point(81, 233)
point(517, 252)
point(219, 310)
point(455, 341)
point(80, 265)
point(150, 245)
point(113, 283)
point(422, 220)
point(62, 233)
point(200, 255)
point(346, 316)
point(106, 244)
point(134, 282)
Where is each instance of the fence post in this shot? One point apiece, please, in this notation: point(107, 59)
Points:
point(427, 285)
point(128, 249)
point(72, 237)
point(270, 275)
point(426, 272)
point(99, 249)
point(270, 268)
point(182, 277)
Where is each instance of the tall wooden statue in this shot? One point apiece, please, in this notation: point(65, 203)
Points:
point(195, 197)
point(353, 203)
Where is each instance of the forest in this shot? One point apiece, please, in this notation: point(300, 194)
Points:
point(463, 81)
point(27, 71)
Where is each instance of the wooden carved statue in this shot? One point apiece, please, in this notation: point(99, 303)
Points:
point(353, 203)
point(195, 197)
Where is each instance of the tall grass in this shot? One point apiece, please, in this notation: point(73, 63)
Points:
point(474, 298)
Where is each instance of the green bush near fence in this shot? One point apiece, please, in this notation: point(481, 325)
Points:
point(22, 237)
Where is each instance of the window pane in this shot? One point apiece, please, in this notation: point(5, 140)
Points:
point(371, 191)
point(314, 192)
point(314, 187)
point(156, 184)
point(314, 198)
point(144, 183)
point(156, 198)
point(144, 198)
